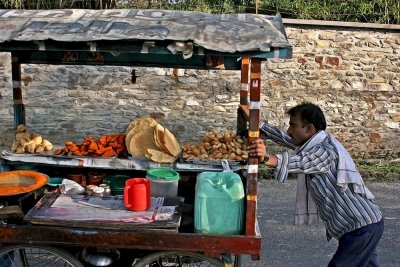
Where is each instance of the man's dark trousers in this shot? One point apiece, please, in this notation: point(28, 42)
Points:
point(358, 248)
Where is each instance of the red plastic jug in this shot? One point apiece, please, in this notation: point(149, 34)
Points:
point(137, 194)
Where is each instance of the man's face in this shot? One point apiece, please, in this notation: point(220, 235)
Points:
point(299, 132)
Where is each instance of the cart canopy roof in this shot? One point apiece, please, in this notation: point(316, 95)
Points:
point(141, 37)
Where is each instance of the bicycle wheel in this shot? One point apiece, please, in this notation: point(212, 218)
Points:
point(177, 259)
point(36, 256)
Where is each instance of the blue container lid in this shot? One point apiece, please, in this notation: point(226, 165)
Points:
point(55, 181)
point(160, 173)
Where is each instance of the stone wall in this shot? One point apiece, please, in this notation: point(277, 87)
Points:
point(351, 71)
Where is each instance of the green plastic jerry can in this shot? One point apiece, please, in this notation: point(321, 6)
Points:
point(219, 203)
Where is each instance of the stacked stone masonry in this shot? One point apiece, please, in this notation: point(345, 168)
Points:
point(352, 73)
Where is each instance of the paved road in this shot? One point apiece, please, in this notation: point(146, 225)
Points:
point(284, 244)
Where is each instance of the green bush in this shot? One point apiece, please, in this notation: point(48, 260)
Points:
point(380, 170)
point(373, 11)
point(372, 171)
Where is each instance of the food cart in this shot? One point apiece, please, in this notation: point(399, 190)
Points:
point(143, 38)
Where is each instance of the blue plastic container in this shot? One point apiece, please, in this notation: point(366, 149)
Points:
point(55, 181)
point(219, 203)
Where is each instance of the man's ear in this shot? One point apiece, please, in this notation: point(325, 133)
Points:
point(310, 128)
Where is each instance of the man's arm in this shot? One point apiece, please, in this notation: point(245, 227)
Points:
point(277, 135)
point(316, 160)
point(270, 132)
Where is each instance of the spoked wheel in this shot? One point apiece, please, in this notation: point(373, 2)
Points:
point(238, 261)
point(178, 259)
point(232, 260)
point(36, 256)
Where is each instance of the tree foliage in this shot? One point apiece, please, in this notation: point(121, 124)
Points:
point(373, 11)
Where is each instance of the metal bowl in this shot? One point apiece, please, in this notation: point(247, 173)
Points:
point(100, 257)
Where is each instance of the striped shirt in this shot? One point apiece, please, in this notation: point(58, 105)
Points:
point(341, 212)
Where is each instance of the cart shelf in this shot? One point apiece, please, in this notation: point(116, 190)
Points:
point(130, 163)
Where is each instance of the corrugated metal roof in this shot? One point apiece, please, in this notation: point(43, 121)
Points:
point(219, 32)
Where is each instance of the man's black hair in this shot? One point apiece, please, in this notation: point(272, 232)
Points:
point(309, 113)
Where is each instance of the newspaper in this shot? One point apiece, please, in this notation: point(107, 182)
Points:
point(111, 209)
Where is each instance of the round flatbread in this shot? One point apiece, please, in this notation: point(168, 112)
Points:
point(128, 138)
point(143, 139)
point(159, 136)
point(130, 126)
point(171, 144)
point(137, 126)
point(159, 156)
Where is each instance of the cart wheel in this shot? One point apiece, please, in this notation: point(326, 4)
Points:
point(238, 260)
point(174, 259)
point(36, 256)
point(232, 260)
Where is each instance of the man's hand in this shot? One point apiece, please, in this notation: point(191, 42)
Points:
point(257, 148)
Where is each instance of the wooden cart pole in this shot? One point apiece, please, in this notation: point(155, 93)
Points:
point(254, 133)
point(244, 97)
point(19, 108)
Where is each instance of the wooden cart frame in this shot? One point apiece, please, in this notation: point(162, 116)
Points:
point(121, 38)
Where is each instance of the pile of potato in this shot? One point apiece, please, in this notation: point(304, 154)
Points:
point(217, 145)
point(26, 142)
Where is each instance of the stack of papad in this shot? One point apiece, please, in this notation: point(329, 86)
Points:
point(147, 138)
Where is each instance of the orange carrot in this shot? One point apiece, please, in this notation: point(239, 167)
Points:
point(93, 146)
point(109, 153)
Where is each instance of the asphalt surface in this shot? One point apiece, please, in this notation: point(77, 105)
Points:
point(284, 244)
